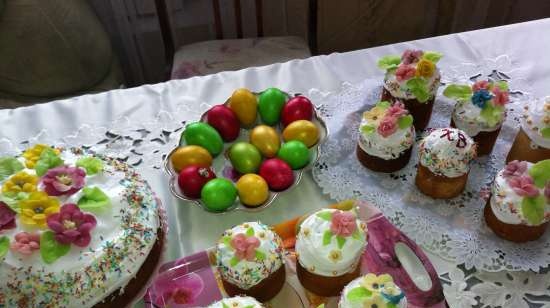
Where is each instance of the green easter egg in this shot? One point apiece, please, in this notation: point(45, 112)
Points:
point(270, 105)
point(203, 135)
point(245, 157)
point(218, 194)
point(295, 153)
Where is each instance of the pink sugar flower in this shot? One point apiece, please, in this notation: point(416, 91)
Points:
point(387, 126)
point(26, 243)
point(523, 186)
point(480, 85)
point(7, 217)
point(63, 180)
point(404, 72)
point(515, 168)
point(500, 98)
point(397, 110)
point(411, 56)
point(343, 223)
point(245, 247)
point(71, 226)
point(175, 287)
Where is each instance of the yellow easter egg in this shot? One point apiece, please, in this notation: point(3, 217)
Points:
point(245, 106)
point(302, 130)
point(266, 139)
point(190, 155)
point(253, 190)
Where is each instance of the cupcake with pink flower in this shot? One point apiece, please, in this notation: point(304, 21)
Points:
point(250, 261)
point(412, 78)
point(519, 207)
point(479, 110)
point(329, 246)
point(386, 136)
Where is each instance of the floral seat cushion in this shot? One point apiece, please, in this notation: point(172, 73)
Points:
point(228, 55)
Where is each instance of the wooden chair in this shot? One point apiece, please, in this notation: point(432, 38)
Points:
point(223, 54)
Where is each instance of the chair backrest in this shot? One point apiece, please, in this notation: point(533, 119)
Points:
point(238, 18)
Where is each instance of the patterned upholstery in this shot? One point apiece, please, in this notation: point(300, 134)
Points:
point(228, 55)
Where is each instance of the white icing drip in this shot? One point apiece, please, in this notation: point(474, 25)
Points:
point(313, 254)
point(345, 303)
point(536, 114)
point(389, 147)
point(237, 302)
point(399, 89)
point(467, 117)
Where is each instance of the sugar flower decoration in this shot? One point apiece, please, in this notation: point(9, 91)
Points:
point(405, 72)
point(374, 302)
point(515, 168)
point(25, 243)
point(397, 110)
point(425, 68)
point(411, 56)
point(72, 226)
point(245, 247)
point(63, 180)
point(524, 186)
point(7, 217)
point(375, 114)
point(343, 223)
point(32, 154)
point(480, 85)
point(481, 97)
point(36, 208)
point(335, 255)
point(20, 182)
point(387, 126)
point(501, 97)
point(375, 283)
point(177, 286)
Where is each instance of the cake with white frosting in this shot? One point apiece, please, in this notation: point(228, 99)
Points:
point(76, 230)
point(444, 162)
point(372, 291)
point(479, 110)
point(250, 260)
point(519, 207)
point(237, 302)
point(532, 143)
point(386, 137)
point(412, 78)
point(329, 246)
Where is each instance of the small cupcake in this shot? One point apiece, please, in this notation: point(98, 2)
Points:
point(250, 261)
point(329, 247)
point(519, 207)
point(412, 79)
point(444, 163)
point(372, 291)
point(386, 136)
point(532, 143)
point(479, 111)
point(237, 302)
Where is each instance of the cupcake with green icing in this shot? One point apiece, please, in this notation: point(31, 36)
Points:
point(372, 291)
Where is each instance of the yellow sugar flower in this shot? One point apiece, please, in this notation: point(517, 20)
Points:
point(20, 182)
point(335, 255)
point(375, 114)
point(374, 302)
point(32, 154)
point(36, 209)
point(374, 283)
point(425, 68)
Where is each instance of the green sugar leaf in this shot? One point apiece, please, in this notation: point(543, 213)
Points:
point(92, 165)
point(358, 294)
point(391, 305)
point(356, 235)
point(492, 114)
point(545, 132)
point(224, 305)
point(250, 306)
point(325, 215)
point(503, 85)
point(432, 56)
point(367, 129)
point(456, 91)
point(327, 237)
point(533, 209)
point(260, 256)
point(4, 246)
point(93, 198)
point(341, 241)
point(540, 172)
point(234, 261)
point(419, 88)
point(389, 62)
point(48, 160)
point(9, 166)
point(405, 122)
point(383, 104)
point(50, 249)
point(227, 240)
point(250, 232)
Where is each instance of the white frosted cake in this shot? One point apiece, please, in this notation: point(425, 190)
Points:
point(237, 302)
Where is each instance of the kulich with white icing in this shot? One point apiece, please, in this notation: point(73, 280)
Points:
point(386, 131)
point(447, 152)
point(249, 253)
point(536, 122)
point(331, 242)
point(98, 261)
point(372, 291)
point(237, 302)
point(521, 193)
point(416, 65)
point(479, 107)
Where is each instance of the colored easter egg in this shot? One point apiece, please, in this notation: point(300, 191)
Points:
point(297, 108)
point(270, 105)
point(192, 178)
point(245, 157)
point(245, 106)
point(295, 153)
point(218, 194)
point(190, 155)
point(203, 135)
point(277, 173)
point(252, 189)
point(302, 130)
point(266, 139)
point(224, 120)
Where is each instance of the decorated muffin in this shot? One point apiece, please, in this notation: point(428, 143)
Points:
point(386, 136)
point(250, 261)
point(532, 143)
point(237, 302)
point(519, 207)
point(329, 247)
point(444, 162)
point(479, 111)
point(412, 79)
point(372, 291)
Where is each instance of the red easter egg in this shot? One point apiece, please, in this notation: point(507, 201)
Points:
point(277, 173)
point(192, 178)
point(224, 120)
point(297, 108)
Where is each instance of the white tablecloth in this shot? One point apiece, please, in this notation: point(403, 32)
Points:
point(164, 105)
